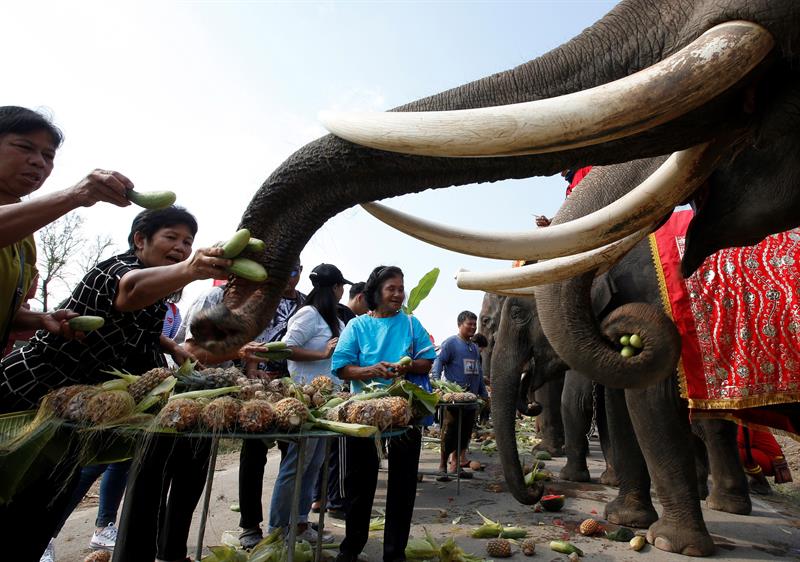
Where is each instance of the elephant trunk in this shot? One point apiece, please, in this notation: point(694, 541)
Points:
point(508, 365)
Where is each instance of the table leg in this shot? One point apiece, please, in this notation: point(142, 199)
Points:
point(212, 464)
point(458, 455)
point(323, 500)
point(298, 483)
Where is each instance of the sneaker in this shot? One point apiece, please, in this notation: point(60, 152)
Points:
point(250, 537)
point(49, 553)
point(311, 535)
point(105, 539)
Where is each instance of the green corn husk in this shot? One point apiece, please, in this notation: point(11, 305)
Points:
point(490, 529)
point(186, 368)
point(377, 524)
point(349, 429)
point(164, 387)
point(565, 547)
point(125, 375)
point(207, 393)
point(115, 384)
point(420, 549)
point(537, 476)
point(148, 402)
point(513, 533)
point(422, 402)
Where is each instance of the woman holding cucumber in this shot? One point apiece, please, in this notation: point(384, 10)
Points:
point(129, 292)
point(28, 144)
point(370, 350)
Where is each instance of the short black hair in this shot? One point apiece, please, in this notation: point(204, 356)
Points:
point(480, 340)
point(152, 220)
point(21, 120)
point(375, 281)
point(356, 289)
point(466, 315)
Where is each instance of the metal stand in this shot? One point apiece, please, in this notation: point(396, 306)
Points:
point(212, 464)
point(460, 407)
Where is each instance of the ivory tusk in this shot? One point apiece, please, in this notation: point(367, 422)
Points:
point(673, 182)
point(550, 271)
point(711, 64)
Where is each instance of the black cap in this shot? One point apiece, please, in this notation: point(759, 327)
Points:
point(327, 275)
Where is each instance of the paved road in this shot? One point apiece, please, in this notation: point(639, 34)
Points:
point(772, 532)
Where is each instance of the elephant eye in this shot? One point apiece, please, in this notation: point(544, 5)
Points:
point(519, 314)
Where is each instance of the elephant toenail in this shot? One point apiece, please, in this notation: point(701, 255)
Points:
point(663, 544)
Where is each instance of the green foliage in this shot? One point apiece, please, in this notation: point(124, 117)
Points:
point(421, 291)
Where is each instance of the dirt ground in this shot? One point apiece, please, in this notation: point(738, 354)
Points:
point(771, 532)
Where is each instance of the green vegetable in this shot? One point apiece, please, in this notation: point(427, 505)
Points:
point(349, 429)
point(552, 502)
point(565, 547)
point(248, 269)
point(543, 456)
point(623, 534)
point(235, 507)
point(236, 244)
point(627, 351)
point(279, 355)
point(636, 341)
point(275, 345)
point(625, 340)
point(256, 245)
point(513, 533)
point(151, 199)
point(86, 323)
point(207, 393)
point(406, 360)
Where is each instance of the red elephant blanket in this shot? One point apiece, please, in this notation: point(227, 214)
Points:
point(739, 320)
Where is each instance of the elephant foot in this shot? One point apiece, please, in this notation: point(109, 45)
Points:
point(609, 478)
point(729, 501)
point(552, 449)
point(573, 474)
point(680, 538)
point(629, 512)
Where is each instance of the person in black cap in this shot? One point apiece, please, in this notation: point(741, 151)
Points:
point(311, 336)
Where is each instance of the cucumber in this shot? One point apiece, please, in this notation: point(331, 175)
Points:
point(248, 269)
point(275, 345)
point(151, 199)
point(256, 245)
point(406, 360)
point(236, 244)
point(86, 323)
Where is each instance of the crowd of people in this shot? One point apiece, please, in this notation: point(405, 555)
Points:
point(136, 291)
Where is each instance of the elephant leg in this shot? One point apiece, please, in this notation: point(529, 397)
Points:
point(576, 411)
point(700, 461)
point(609, 476)
point(661, 422)
point(551, 427)
point(729, 490)
point(633, 506)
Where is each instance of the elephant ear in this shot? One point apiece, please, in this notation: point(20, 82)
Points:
point(602, 292)
point(422, 290)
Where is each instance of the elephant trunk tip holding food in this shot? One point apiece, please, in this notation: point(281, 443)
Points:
point(595, 350)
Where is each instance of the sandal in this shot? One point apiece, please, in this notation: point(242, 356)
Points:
point(442, 477)
point(464, 475)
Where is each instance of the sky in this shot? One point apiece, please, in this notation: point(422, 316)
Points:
point(207, 98)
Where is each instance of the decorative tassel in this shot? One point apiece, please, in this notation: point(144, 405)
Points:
point(781, 470)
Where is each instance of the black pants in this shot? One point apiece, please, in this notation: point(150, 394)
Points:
point(252, 459)
point(165, 484)
point(450, 431)
point(334, 486)
point(29, 520)
point(361, 478)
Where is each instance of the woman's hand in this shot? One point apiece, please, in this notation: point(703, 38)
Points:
point(384, 370)
point(102, 185)
point(248, 352)
point(57, 323)
point(208, 263)
point(331, 347)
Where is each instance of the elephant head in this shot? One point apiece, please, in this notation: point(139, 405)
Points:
point(743, 116)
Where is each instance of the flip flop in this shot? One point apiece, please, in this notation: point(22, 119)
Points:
point(464, 475)
point(442, 477)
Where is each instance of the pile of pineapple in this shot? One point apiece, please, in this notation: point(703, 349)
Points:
point(224, 400)
point(452, 392)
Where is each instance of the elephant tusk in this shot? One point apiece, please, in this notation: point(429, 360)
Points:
point(677, 178)
point(684, 81)
point(520, 280)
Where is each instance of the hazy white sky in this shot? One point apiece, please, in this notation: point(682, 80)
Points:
point(207, 98)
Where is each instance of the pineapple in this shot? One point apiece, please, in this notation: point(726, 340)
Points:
point(343, 395)
point(148, 382)
point(99, 556)
point(459, 397)
point(589, 527)
point(398, 408)
point(256, 416)
point(528, 547)
point(322, 384)
point(76, 407)
point(180, 414)
point(58, 399)
point(221, 413)
point(369, 412)
point(290, 414)
point(108, 406)
point(499, 548)
point(248, 391)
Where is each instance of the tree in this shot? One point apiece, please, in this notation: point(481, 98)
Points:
point(95, 252)
point(58, 241)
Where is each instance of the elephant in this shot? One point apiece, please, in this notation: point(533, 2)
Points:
point(542, 401)
point(520, 341)
point(735, 127)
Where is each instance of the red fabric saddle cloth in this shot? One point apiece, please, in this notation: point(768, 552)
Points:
point(739, 320)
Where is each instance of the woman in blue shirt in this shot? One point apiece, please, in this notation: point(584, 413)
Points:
point(368, 352)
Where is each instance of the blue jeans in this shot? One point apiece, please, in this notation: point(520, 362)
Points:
point(280, 508)
point(112, 488)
